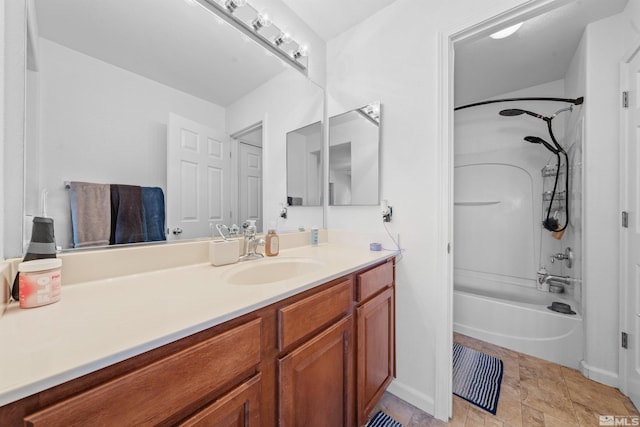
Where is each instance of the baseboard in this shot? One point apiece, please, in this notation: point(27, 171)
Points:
point(412, 396)
point(600, 375)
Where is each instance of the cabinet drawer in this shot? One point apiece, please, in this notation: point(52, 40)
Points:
point(374, 280)
point(239, 407)
point(153, 393)
point(301, 318)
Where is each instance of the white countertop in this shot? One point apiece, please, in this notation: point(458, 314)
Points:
point(102, 322)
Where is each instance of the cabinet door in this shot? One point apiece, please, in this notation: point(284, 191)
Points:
point(238, 408)
point(375, 349)
point(315, 380)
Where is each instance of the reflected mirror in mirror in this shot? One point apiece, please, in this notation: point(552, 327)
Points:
point(147, 93)
point(304, 166)
point(354, 152)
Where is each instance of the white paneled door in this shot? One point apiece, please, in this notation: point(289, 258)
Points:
point(198, 174)
point(630, 291)
point(250, 183)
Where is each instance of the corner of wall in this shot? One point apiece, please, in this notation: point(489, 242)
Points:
point(600, 375)
point(412, 396)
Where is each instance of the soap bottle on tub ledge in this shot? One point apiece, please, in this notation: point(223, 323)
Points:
point(272, 244)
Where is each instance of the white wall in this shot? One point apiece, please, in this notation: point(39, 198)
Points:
point(100, 123)
point(287, 102)
point(391, 57)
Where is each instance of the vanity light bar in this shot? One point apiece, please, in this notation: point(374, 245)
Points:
point(226, 11)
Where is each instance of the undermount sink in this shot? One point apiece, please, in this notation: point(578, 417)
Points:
point(269, 270)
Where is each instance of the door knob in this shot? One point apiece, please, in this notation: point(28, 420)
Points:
point(177, 231)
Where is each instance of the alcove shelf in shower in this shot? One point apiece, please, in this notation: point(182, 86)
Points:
point(479, 203)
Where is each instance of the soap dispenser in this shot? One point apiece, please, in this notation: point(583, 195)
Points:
point(272, 245)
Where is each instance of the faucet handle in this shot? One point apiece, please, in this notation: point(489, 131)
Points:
point(567, 256)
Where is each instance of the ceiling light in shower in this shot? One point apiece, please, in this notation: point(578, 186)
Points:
point(506, 32)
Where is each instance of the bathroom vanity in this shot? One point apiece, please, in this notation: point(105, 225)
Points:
point(314, 349)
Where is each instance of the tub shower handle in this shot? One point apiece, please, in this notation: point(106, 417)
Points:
point(567, 256)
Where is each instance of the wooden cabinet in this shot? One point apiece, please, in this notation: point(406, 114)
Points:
point(315, 380)
point(154, 393)
point(300, 319)
point(320, 358)
point(375, 329)
point(240, 407)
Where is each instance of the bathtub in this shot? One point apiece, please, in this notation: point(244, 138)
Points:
point(516, 317)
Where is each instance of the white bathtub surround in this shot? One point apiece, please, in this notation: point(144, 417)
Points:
point(103, 321)
point(499, 241)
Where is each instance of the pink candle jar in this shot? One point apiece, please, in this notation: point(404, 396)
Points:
point(40, 282)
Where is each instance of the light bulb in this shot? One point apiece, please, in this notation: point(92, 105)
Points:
point(302, 51)
point(232, 5)
point(282, 38)
point(260, 21)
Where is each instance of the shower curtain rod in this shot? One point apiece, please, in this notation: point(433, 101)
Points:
point(577, 101)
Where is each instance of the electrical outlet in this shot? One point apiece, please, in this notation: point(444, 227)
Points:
point(387, 211)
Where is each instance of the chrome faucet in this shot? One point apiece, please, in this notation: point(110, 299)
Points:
point(234, 230)
point(553, 279)
point(251, 242)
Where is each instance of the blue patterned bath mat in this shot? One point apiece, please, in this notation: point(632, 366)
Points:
point(382, 420)
point(477, 377)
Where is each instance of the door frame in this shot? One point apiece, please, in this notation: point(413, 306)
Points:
point(447, 39)
point(623, 266)
point(235, 167)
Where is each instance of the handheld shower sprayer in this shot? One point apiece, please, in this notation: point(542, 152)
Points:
point(538, 140)
point(550, 223)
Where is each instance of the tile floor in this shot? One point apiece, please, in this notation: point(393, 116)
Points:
point(534, 393)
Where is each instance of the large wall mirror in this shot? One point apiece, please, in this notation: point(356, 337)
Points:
point(114, 84)
point(304, 166)
point(354, 156)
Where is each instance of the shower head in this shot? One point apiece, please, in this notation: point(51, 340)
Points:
point(517, 112)
point(538, 140)
point(511, 112)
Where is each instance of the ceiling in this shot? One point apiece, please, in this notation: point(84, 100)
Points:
point(328, 18)
point(540, 52)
